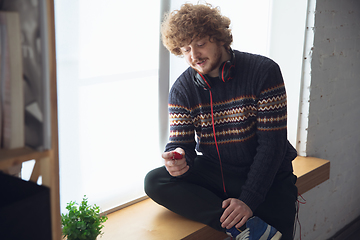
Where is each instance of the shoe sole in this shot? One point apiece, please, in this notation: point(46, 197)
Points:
point(277, 236)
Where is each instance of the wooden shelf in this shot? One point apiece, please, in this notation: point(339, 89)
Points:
point(12, 157)
point(46, 162)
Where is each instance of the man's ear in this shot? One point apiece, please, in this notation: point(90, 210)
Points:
point(221, 43)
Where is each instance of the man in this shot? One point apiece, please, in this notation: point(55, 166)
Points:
point(237, 176)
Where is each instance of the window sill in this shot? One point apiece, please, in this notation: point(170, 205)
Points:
point(148, 221)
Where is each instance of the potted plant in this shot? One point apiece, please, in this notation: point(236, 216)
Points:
point(82, 222)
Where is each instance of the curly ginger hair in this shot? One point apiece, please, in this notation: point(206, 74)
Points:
point(181, 27)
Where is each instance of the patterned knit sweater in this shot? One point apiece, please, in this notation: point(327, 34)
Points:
point(250, 118)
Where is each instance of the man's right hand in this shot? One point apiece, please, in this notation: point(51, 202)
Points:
point(175, 167)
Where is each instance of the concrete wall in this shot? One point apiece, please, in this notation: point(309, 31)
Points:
point(334, 119)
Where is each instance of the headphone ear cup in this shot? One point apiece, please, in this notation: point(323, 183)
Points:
point(198, 80)
point(224, 71)
point(201, 80)
point(227, 69)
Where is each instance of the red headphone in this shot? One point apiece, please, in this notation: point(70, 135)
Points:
point(226, 72)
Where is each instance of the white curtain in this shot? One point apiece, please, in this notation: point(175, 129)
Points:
point(107, 72)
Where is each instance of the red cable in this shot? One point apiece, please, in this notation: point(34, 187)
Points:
point(297, 220)
point(213, 125)
point(217, 148)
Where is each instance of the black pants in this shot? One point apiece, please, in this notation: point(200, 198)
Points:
point(199, 195)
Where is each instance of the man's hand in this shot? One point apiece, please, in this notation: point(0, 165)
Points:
point(236, 213)
point(175, 167)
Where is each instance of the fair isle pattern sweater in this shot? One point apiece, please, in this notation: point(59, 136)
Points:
point(250, 118)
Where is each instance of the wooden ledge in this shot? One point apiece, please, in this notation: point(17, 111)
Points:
point(147, 220)
point(310, 172)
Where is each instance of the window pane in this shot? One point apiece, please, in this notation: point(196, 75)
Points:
point(107, 64)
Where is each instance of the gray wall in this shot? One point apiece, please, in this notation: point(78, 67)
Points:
point(334, 119)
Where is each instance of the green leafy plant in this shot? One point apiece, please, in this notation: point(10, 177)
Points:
point(82, 222)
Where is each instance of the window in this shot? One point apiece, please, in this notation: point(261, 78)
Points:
point(107, 66)
point(108, 85)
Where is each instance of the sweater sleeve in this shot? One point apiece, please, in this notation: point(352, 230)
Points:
point(182, 132)
point(271, 135)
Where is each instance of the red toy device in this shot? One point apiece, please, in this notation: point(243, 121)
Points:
point(177, 155)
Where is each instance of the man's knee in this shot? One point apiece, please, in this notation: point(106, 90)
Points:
point(153, 182)
point(150, 182)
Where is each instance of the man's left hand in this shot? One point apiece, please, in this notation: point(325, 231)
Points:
point(236, 213)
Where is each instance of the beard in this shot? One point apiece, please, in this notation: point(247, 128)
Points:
point(208, 65)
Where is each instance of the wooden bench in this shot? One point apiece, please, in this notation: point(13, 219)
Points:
point(147, 220)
